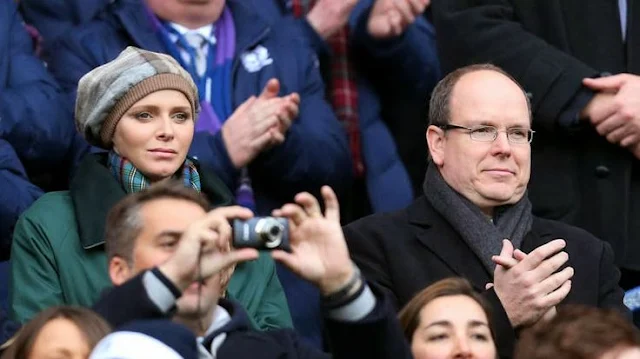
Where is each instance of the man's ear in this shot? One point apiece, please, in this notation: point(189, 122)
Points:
point(119, 270)
point(436, 142)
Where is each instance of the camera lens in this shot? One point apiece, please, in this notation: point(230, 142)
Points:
point(270, 232)
point(274, 231)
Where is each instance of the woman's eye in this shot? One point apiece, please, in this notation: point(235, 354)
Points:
point(480, 337)
point(437, 337)
point(143, 116)
point(181, 117)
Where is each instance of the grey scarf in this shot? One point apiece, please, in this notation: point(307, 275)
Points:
point(511, 222)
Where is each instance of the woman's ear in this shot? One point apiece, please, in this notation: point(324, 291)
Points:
point(119, 270)
point(436, 141)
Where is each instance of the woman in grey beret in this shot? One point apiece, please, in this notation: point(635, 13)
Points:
point(141, 108)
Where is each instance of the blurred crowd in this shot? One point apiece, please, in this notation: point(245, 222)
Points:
point(319, 178)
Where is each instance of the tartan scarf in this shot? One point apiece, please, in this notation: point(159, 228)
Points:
point(343, 91)
point(134, 181)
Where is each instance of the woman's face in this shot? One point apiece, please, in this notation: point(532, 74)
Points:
point(60, 338)
point(453, 327)
point(155, 133)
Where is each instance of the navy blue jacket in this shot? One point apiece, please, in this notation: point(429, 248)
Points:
point(376, 336)
point(16, 195)
point(35, 129)
point(408, 63)
point(53, 18)
point(8, 328)
point(32, 119)
point(315, 152)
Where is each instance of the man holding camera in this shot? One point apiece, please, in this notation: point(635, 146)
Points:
point(179, 256)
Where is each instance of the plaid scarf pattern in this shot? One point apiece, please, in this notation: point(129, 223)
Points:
point(343, 91)
point(134, 181)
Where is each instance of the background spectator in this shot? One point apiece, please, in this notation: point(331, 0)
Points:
point(585, 158)
point(35, 131)
point(581, 332)
point(16, 195)
point(30, 143)
point(142, 109)
point(367, 48)
point(54, 18)
point(56, 331)
point(448, 319)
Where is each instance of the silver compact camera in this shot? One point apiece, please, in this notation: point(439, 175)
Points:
point(262, 233)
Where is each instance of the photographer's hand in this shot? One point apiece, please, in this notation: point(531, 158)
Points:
point(319, 251)
point(208, 237)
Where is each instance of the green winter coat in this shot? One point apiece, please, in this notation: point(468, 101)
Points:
point(58, 253)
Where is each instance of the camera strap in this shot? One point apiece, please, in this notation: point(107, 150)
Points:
point(200, 284)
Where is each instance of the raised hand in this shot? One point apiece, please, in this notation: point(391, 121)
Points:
point(204, 248)
point(329, 16)
point(259, 123)
point(390, 18)
point(319, 252)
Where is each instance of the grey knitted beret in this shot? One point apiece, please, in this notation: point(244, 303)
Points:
point(108, 91)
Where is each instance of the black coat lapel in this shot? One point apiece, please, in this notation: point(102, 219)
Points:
point(435, 233)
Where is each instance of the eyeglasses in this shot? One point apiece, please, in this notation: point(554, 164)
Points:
point(515, 135)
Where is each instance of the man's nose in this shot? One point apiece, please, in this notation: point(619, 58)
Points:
point(501, 144)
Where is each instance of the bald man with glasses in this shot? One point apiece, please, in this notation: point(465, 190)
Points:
point(474, 219)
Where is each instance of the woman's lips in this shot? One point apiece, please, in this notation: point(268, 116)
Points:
point(163, 153)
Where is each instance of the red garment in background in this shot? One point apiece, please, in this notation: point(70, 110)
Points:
point(343, 91)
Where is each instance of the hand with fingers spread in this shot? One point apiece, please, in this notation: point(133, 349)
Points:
point(319, 252)
point(204, 248)
point(530, 285)
point(259, 123)
point(390, 18)
point(615, 110)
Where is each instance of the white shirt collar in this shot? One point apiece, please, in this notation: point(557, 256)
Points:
point(206, 32)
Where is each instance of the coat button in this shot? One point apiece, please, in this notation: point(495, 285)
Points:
point(602, 171)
